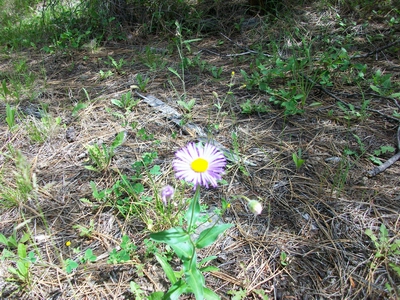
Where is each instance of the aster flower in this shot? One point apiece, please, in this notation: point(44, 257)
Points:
point(166, 194)
point(199, 165)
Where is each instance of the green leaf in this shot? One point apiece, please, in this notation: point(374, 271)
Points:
point(155, 170)
point(210, 235)
point(209, 269)
point(23, 268)
point(193, 211)
point(21, 250)
point(89, 256)
point(166, 267)
point(395, 95)
point(174, 72)
point(375, 160)
point(117, 103)
point(207, 259)
point(70, 265)
point(177, 239)
point(3, 240)
point(384, 233)
point(210, 295)
point(395, 268)
point(375, 88)
point(119, 140)
point(194, 278)
point(176, 290)
point(25, 238)
point(156, 296)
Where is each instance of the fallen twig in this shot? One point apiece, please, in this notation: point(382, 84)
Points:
point(344, 102)
point(379, 169)
point(248, 51)
point(376, 50)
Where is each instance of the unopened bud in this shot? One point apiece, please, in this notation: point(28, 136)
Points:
point(255, 207)
point(166, 194)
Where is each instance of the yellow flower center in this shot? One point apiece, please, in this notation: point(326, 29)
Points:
point(199, 165)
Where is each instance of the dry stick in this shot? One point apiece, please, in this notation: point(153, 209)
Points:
point(379, 169)
point(248, 51)
point(376, 50)
point(343, 102)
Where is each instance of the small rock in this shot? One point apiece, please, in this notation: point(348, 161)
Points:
point(70, 134)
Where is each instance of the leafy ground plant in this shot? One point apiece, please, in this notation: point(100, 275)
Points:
point(200, 166)
point(101, 155)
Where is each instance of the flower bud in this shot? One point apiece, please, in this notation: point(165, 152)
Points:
point(166, 194)
point(255, 207)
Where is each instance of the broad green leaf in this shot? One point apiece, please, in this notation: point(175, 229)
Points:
point(166, 267)
point(395, 268)
point(180, 287)
point(210, 235)
point(21, 250)
point(384, 233)
point(375, 88)
point(70, 265)
point(174, 72)
point(193, 211)
point(194, 278)
point(156, 296)
point(155, 170)
point(25, 238)
point(119, 140)
point(117, 102)
point(210, 295)
point(3, 240)
point(177, 239)
point(23, 268)
point(204, 260)
point(209, 269)
point(395, 95)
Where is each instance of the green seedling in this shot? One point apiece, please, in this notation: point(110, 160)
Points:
point(126, 102)
point(379, 152)
point(40, 130)
point(10, 117)
point(101, 155)
point(22, 259)
point(4, 92)
point(283, 258)
point(139, 294)
point(88, 256)
point(104, 75)
point(70, 265)
point(85, 231)
point(385, 247)
point(298, 161)
point(216, 72)
point(117, 65)
point(126, 252)
point(23, 185)
point(249, 107)
point(142, 82)
point(187, 105)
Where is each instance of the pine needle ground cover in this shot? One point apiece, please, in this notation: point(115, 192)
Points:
point(304, 104)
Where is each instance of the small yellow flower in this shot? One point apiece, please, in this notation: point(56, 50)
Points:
point(68, 243)
point(233, 73)
point(228, 205)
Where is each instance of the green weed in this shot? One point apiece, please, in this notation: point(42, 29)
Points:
point(10, 117)
point(101, 155)
point(21, 186)
point(297, 159)
point(126, 102)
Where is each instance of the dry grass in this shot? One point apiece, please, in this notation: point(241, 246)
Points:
point(316, 215)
